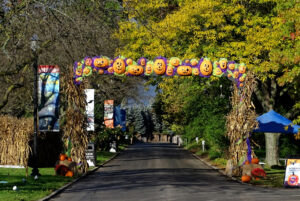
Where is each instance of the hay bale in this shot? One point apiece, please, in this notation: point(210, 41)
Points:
point(249, 167)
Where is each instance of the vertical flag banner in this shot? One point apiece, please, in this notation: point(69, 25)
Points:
point(48, 98)
point(90, 97)
point(109, 113)
point(292, 173)
point(120, 118)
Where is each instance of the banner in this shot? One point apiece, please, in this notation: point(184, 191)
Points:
point(120, 118)
point(292, 173)
point(109, 113)
point(90, 97)
point(48, 98)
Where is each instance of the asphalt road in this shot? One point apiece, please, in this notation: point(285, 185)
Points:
point(164, 172)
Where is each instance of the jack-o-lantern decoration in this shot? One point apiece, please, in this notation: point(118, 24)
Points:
point(88, 61)
point(242, 78)
point(142, 61)
point(242, 68)
point(236, 74)
point(160, 65)
point(78, 71)
point(101, 62)
point(184, 70)
point(231, 66)
point(174, 61)
point(129, 61)
point(195, 71)
point(223, 64)
point(135, 69)
point(194, 62)
point(149, 68)
point(119, 66)
point(206, 68)
point(87, 71)
point(110, 70)
point(218, 72)
point(170, 70)
point(100, 71)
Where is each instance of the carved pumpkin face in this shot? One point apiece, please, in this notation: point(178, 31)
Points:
point(149, 69)
point(242, 79)
point(159, 66)
point(129, 61)
point(218, 71)
point(101, 62)
point(231, 66)
point(143, 61)
point(195, 71)
point(119, 66)
point(175, 61)
point(184, 70)
point(100, 72)
point(206, 67)
point(78, 71)
point(242, 69)
point(135, 70)
point(169, 71)
point(86, 71)
point(88, 62)
point(223, 64)
point(235, 74)
point(194, 62)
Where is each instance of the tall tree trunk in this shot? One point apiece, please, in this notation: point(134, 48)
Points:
point(272, 141)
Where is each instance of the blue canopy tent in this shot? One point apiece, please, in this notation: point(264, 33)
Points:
point(272, 122)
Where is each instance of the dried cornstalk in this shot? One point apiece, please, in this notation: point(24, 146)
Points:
point(240, 122)
point(75, 127)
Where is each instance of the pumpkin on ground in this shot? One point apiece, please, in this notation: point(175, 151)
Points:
point(254, 160)
point(246, 178)
point(69, 174)
point(63, 157)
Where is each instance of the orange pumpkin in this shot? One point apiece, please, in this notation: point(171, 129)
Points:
point(246, 178)
point(119, 66)
point(78, 71)
point(218, 71)
point(194, 62)
point(69, 174)
point(229, 75)
point(135, 70)
point(87, 71)
point(231, 66)
point(236, 74)
point(242, 79)
point(101, 62)
point(62, 157)
point(169, 71)
point(206, 67)
point(184, 70)
point(241, 85)
point(69, 159)
point(255, 161)
point(242, 68)
point(247, 162)
point(129, 61)
point(223, 64)
point(174, 61)
point(88, 61)
point(195, 71)
point(100, 72)
point(149, 68)
point(143, 61)
point(159, 66)
point(110, 70)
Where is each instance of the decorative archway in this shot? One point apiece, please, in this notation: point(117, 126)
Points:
point(240, 121)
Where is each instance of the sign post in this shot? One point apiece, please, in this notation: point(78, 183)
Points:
point(292, 173)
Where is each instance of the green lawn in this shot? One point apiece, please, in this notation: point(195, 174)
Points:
point(274, 178)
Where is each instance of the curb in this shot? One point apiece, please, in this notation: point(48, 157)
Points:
point(61, 189)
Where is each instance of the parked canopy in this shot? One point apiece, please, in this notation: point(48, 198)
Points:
point(272, 122)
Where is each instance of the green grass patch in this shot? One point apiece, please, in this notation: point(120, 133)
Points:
point(274, 178)
point(103, 156)
point(30, 189)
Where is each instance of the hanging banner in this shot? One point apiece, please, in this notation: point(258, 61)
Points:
point(109, 113)
point(48, 98)
point(120, 118)
point(292, 173)
point(90, 97)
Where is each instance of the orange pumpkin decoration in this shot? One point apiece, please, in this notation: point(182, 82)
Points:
point(174, 61)
point(119, 66)
point(242, 68)
point(229, 75)
point(242, 79)
point(247, 162)
point(159, 66)
point(88, 61)
point(101, 62)
point(100, 72)
point(143, 61)
point(236, 74)
point(223, 63)
point(69, 174)
point(129, 61)
point(78, 71)
point(169, 71)
point(135, 70)
point(206, 68)
point(87, 71)
point(184, 70)
point(110, 70)
point(231, 66)
point(218, 71)
point(69, 159)
point(195, 71)
point(246, 178)
point(194, 62)
point(255, 161)
point(241, 85)
point(149, 68)
point(62, 157)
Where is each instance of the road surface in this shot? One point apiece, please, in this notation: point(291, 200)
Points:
point(164, 172)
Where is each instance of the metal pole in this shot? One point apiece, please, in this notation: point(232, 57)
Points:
point(35, 170)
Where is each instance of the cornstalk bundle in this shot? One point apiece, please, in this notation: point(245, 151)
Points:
point(75, 127)
point(240, 122)
point(15, 135)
